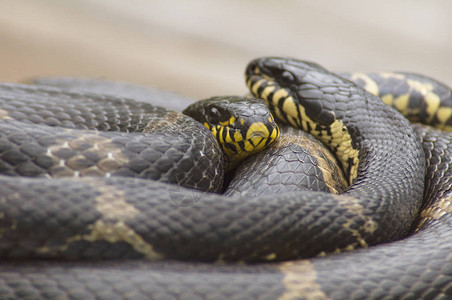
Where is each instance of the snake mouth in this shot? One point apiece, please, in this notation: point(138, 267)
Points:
point(259, 134)
point(239, 145)
point(257, 130)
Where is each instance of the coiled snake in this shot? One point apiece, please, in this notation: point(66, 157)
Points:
point(133, 218)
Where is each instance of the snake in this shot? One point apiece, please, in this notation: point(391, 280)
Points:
point(401, 252)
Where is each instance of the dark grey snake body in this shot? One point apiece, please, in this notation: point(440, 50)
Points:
point(296, 159)
point(135, 139)
point(148, 224)
point(169, 100)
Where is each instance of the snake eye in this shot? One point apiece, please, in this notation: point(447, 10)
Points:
point(287, 78)
point(214, 116)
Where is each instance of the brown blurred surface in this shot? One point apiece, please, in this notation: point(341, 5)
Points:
point(200, 48)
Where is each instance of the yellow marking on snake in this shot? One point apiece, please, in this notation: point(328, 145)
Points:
point(277, 96)
point(238, 136)
point(268, 90)
point(290, 108)
point(248, 146)
point(111, 227)
point(332, 174)
point(344, 152)
point(214, 131)
point(228, 138)
point(369, 84)
point(339, 141)
point(443, 114)
point(392, 75)
point(300, 281)
point(256, 135)
point(112, 205)
point(256, 86)
point(111, 157)
point(432, 100)
point(275, 134)
point(220, 134)
point(4, 115)
point(328, 175)
point(356, 211)
point(401, 103)
point(168, 121)
point(231, 121)
point(257, 128)
point(388, 99)
point(271, 256)
point(118, 232)
point(254, 141)
point(435, 211)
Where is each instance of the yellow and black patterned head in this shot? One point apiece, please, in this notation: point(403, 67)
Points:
point(242, 126)
point(306, 96)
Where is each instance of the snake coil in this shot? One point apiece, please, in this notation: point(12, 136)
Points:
point(133, 218)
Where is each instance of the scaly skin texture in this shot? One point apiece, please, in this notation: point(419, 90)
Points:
point(120, 137)
point(242, 126)
point(147, 222)
point(296, 159)
point(419, 98)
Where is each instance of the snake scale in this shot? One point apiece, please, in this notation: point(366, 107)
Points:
point(78, 220)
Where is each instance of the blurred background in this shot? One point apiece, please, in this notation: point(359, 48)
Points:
point(199, 48)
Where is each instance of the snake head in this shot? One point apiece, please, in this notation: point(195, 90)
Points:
point(286, 83)
point(242, 126)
